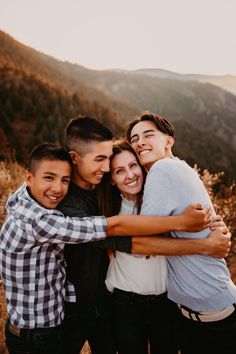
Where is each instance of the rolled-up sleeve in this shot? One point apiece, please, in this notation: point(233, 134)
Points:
point(122, 244)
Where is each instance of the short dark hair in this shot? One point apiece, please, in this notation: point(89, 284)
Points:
point(47, 151)
point(162, 124)
point(82, 130)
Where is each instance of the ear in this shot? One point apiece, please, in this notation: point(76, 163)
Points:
point(170, 142)
point(74, 157)
point(28, 178)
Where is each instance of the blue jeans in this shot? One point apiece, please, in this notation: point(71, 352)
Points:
point(34, 341)
point(142, 320)
point(217, 337)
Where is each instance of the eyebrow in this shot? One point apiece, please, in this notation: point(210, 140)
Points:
point(145, 132)
point(54, 174)
point(119, 167)
point(103, 156)
point(50, 173)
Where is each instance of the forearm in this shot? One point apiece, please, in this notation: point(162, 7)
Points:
point(123, 225)
point(168, 246)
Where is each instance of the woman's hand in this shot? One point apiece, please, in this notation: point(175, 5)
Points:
point(218, 223)
point(218, 243)
point(196, 218)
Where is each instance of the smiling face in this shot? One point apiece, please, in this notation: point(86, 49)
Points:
point(126, 174)
point(90, 166)
point(49, 182)
point(149, 143)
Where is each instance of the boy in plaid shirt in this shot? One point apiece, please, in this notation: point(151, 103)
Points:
point(32, 242)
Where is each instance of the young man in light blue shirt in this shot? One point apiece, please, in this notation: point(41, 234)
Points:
point(199, 285)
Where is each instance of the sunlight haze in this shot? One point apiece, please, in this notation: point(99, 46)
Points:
point(185, 36)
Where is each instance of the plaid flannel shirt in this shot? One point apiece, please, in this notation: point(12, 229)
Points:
point(32, 265)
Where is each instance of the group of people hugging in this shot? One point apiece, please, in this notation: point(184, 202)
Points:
point(115, 242)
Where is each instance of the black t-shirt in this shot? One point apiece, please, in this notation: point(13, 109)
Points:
point(87, 263)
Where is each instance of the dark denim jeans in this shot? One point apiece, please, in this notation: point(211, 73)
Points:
point(142, 320)
point(35, 341)
point(91, 324)
point(217, 337)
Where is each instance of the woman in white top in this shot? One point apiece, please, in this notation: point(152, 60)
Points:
point(142, 315)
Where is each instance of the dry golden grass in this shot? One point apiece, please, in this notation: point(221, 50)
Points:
point(224, 200)
point(225, 204)
point(3, 316)
point(11, 176)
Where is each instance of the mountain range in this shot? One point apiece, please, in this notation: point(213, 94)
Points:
point(227, 82)
point(38, 94)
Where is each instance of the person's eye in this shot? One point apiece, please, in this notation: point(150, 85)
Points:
point(134, 141)
point(66, 181)
point(133, 165)
point(48, 178)
point(119, 172)
point(149, 135)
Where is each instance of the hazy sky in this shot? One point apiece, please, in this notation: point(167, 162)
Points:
point(197, 36)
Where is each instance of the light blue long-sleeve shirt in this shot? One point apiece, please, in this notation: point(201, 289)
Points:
point(199, 282)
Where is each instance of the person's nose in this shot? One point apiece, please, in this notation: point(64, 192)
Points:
point(105, 166)
point(56, 186)
point(129, 174)
point(141, 141)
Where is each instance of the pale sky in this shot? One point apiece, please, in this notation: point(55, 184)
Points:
point(185, 36)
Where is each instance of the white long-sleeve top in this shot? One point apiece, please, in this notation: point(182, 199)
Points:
point(136, 273)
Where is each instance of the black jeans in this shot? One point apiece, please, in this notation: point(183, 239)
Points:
point(91, 324)
point(217, 337)
point(35, 341)
point(142, 320)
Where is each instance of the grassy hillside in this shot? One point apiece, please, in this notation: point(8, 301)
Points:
point(213, 153)
point(33, 108)
point(39, 93)
point(55, 72)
